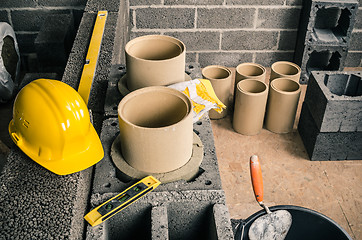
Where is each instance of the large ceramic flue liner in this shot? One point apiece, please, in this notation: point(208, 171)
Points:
point(284, 69)
point(250, 103)
point(221, 81)
point(154, 60)
point(282, 105)
point(155, 126)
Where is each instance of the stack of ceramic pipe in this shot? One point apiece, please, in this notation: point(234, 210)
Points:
point(156, 131)
point(256, 103)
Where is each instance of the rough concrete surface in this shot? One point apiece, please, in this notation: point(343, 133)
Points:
point(324, 146)
point(335, 101)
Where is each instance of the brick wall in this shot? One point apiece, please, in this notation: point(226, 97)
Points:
point(354, 57)
point(229, 32)
point(26, 18)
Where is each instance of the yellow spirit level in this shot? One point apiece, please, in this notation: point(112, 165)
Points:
point(121, 201)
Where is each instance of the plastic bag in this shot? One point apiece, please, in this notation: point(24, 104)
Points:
point(8, 74)
point(202, 96)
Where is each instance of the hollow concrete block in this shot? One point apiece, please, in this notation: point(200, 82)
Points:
point(321, 58)
point(323, 146)
point(334, 100)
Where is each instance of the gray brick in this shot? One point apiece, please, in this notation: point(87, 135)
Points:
point(98, 5)
point(26, 42)
point(194, 2)
point(165, 18)
point(190, 57)
point(25, 20)
point(358, 23)
point(4, 16)
point(18, 3)
point(74, 3)
point(353, 59)
point(198, 41)
point(268, 58)
point(335, 101)
point(278, 18)
point(254, 2)
point(228, 59)
point(287, 40)
point(356, 41)
point(139, 34)
point(322, 146)
point(225, 17)
point(249, 40)
point(144, 2)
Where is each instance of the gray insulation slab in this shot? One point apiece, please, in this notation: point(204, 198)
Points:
point(322, 146)
point(334, 100)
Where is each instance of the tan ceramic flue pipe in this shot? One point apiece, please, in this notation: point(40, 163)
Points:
point(282, 105)
point(250, 71)
point(154, 60)
point(284, 69)
point(221, 81)
point(155, 126)
point(250, 103)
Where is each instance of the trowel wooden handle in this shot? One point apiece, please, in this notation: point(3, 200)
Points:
point(256, 178)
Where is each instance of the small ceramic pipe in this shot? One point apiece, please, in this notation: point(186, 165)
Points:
point(282, 105)
point(155, 126)
point(284, 69)
point(221, 80)
point(250, 71)
point(250, 103)
point(154, 60)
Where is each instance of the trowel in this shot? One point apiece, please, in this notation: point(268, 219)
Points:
point(273, 225)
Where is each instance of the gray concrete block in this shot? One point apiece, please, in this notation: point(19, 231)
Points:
point(231, 59)
point(323, 146)
point(25, 20)
point(287, 40)
point(55, 39)
point(358, 23)
point(194, 214)
point(99, 5)
point(225, 17)
point(190, 57)
point(165, 18)
point(278, 18)
point(294, 2)
point(334, 100)
point(4, 16)
point(268, 58)
point(246, 40)
point(254, 2)
point(353, 59)
point(55, 3)
point(320, 58)
point(327, 22)
point(356, 41)
point(73, 70)
point(26, 42)
point(29, 77)
point(84, 34)
point(198, 41)
point(193, 2)
point(144, 2)
point(18, 4)
point(38, 204)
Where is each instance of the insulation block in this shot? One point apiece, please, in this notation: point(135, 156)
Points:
point(334, 100)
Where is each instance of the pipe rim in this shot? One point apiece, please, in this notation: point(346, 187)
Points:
point(179, 43)
point(254, 81)
point(227, 70)
point(295, 88)
point(256, 65)
point(290, 64)
point(186, 100)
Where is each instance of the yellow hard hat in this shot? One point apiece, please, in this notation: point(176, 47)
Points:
point(51, 125)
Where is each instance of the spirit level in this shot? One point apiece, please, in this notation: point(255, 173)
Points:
point(121, 201)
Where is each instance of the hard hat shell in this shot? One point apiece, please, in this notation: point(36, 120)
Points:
point(51, 125)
